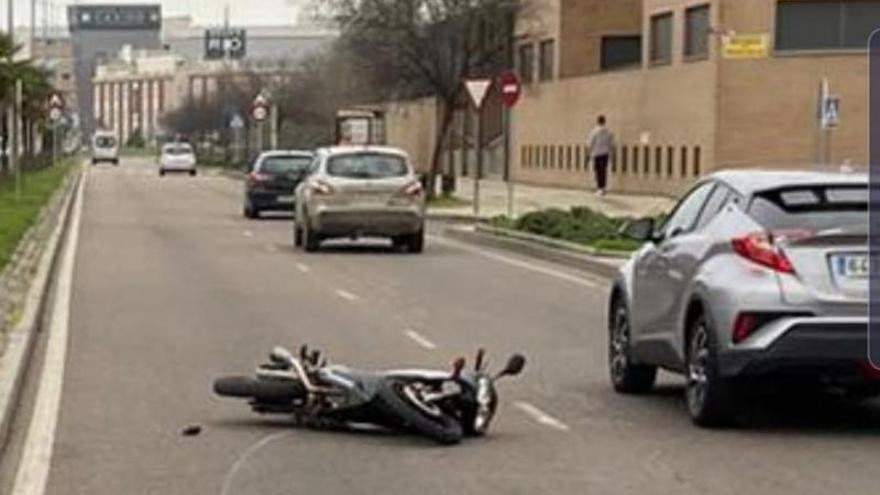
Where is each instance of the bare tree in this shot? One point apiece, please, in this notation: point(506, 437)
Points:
point(428, 47)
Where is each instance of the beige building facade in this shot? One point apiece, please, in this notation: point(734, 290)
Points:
point(680, 98)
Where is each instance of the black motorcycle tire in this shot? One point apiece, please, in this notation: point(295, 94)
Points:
point(442, 429)
point(261, 390)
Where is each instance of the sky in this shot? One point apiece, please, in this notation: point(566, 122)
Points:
point(205, 12)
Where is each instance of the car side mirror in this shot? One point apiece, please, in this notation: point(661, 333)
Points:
point(641, 230)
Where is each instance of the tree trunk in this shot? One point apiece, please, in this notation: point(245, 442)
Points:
point(448, 111)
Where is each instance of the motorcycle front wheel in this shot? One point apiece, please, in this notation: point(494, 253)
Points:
point(396, 403)
point(269, 391)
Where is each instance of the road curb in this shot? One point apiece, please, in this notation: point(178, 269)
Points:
point(20, 340)
point(454, 217)
point(605, 267)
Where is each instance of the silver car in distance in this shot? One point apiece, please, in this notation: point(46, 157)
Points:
point(360, 191)
point(757, 279)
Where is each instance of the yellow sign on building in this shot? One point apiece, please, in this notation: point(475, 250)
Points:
point(745, 46)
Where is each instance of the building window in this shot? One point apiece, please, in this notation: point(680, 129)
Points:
point(825, 25)
point(684, 162)
point(696, 32)
point(623, 159)
point(577, 158)
point(547, 64)
point(620, 52)
point(568, 158)
point(646, 163)
point(697, 165)
point(527, 62)
point(661, 39)
point(670, 158)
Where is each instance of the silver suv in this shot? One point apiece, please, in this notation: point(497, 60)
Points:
point(360, 191)
point(755, 274)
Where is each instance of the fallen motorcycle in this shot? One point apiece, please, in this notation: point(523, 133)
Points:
point(442, 405)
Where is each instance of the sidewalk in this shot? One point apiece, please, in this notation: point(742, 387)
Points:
point(493, 200)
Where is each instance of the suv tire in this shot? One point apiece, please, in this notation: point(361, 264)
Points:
point(710, 396)
point(626, 376)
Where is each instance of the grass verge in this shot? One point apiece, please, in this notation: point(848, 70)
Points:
point(579, 225)
point(447, 201)
point(19, 212)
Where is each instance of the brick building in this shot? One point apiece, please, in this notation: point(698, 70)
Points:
point(679, 90)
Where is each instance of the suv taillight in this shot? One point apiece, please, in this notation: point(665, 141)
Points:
point(760, 248)
point(412, 190)
point(321, 188)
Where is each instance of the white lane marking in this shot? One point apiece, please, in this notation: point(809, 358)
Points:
point(248, 233)
point(420, 339)
point(540, 416)
point(348, 296)
point(303, 268)
point(33, 471)
point(272, 248)
point(522, 264)
point(247, 454)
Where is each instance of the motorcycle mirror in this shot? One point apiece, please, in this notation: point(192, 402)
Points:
point(303, 352)
point(457, 366)
point(514, 366)
point(478, 364)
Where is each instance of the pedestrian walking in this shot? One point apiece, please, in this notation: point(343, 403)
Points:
point(602, 146)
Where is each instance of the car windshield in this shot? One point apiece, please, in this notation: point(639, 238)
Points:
point(178, 149)
point(105, 142)
point(367, 166)
point(286, 164)
point(815, 208)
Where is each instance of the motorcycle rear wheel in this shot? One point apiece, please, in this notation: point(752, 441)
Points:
point(442, 429)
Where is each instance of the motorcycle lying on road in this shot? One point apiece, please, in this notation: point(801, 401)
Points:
point(444, 406)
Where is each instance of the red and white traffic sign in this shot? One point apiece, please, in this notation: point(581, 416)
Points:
point(511, 88)
point(260, 108)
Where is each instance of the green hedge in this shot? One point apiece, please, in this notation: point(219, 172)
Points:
point(580, 225)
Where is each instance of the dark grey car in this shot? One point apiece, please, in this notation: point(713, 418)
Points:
point(271, 183)
point(755, 275)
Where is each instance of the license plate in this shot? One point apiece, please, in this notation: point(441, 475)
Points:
point(286, 199)
point(851, 265)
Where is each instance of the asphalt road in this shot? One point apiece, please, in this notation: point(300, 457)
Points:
point(173, 287)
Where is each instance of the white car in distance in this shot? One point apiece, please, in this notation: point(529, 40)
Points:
point(177, 157)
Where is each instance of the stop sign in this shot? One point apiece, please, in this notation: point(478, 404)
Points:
point(511, 88)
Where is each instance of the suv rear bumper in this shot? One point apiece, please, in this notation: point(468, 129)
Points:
point(366, 222)
point(801, 345)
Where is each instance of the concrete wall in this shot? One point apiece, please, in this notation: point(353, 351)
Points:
point(412, 126)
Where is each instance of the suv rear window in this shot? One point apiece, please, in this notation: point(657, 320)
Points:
point(815, 208)
point(105, 141)
point(177, 149)
point(280, 165)
point(367, 166)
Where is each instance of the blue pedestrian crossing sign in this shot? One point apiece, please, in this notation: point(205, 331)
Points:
point(830, 112)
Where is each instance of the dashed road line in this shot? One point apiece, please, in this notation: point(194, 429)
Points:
point(348, 296)
point(272, 248)
point(248, 233)
point(540, 416)
point(303, 268)
point(420, 340)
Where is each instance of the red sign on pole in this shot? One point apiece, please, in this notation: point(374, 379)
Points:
point(511, 88)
